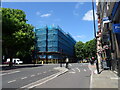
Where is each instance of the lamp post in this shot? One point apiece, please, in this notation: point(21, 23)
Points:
point(97, 65)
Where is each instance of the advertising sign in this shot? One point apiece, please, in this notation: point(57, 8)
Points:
point(116, 28)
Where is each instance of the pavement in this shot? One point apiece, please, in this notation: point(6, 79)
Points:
point(106, 78)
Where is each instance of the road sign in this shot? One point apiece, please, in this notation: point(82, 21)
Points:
point(116, 28)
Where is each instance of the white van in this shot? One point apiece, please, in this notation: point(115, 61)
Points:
point(15, 60)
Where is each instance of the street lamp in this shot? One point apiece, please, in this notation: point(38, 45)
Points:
point(97, 65)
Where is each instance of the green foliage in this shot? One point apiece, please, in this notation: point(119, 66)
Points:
point(79, 49)
point(85, 50)
point(18, 36)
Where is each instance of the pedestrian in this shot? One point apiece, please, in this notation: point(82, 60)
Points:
point(92, 61)
point(67, 61)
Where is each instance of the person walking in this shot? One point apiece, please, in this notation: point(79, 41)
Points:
point(67, 61)
point(92, 61)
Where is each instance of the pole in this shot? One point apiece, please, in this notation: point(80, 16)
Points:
point(61, 59)
point(97, 65)
point(46, 45)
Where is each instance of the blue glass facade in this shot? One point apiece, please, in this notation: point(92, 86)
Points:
point(54, 41)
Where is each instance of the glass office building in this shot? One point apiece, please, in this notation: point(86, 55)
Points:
point(53, 44)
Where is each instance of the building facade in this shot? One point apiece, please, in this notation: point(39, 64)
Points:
point(54, 45)
point(108, 35)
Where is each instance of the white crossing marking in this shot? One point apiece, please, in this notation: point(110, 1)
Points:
point(85, 70)
point(11, 81)
point(71, 72)
point(9, 73)
point(78, 69)
point(32, 75)
point(24, 78)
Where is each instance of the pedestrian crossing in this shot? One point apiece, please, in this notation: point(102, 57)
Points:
point(77, 70)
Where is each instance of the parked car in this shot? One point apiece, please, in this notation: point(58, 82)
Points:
point(14, 60)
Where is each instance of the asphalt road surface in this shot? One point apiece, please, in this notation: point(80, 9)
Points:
point(78, 76)
point(20, 77)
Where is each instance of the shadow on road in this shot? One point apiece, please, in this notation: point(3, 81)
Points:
point(18, 66)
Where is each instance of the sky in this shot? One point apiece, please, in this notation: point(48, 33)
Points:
point(73, 17)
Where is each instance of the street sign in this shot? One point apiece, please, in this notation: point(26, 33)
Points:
point(116, 28)
point(105, 19)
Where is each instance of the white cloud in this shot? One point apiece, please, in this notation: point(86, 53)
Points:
point(89, 16)
point(45, 15)
point(38, 13)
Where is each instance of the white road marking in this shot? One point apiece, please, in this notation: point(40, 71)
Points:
point(85, 70)
point(44, 72)
point(24, 78)
point(70, 64)
point(71, 72)
point(78, 69)
point(91, 80)
point(9, 73)
point(114, 78)
point(11, 81)
point(32, 75)
point(42, 81)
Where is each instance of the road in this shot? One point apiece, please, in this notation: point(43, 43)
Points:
point(78, 76)
point(20, 77)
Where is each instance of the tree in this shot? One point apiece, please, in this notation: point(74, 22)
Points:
point(90, 48)
point(18, 36)
point(85, 50)
point(79, 50)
